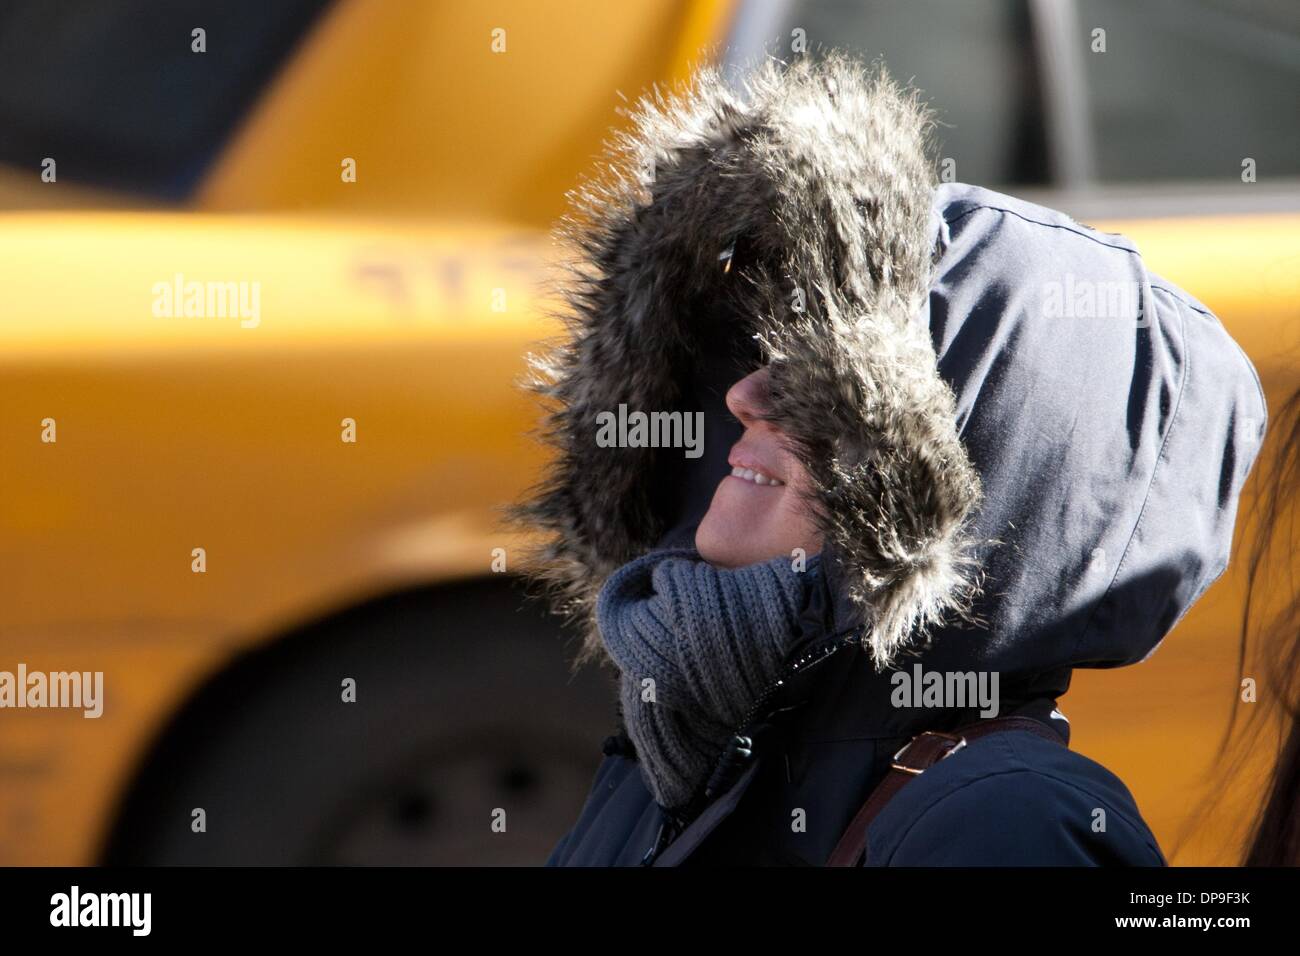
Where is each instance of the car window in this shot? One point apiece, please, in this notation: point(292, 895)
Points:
point(116, 94)
point(1188, 89)
point(974, 60)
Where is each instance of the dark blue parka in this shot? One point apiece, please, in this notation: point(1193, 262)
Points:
point(1109, 417)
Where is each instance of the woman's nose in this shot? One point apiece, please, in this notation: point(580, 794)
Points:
point(747, 398)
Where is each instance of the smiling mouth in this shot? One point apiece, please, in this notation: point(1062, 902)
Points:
point(754, 477)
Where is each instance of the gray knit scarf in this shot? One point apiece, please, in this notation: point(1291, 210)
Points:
point(695, 645)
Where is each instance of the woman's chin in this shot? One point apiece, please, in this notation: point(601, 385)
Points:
point(729, 541)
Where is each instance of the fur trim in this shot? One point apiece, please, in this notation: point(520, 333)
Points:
point(824, 167)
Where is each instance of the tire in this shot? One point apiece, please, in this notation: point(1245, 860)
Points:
point(465, 707)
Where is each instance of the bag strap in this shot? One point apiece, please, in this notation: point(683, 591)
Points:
point(918, 755)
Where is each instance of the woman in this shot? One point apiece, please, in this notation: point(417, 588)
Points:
point(989, 469)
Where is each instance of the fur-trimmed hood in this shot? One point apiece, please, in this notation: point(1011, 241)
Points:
point(819, 172)
point(1005, 413)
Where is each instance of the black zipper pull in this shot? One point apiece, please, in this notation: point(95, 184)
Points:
point(738, 753)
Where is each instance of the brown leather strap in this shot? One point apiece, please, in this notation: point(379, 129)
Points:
point(923, 752)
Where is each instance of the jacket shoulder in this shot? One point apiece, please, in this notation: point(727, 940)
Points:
point(1013, 799)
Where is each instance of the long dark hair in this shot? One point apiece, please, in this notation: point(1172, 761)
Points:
point(1274, 838)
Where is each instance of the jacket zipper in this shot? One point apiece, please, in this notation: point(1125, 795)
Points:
point(672, 823)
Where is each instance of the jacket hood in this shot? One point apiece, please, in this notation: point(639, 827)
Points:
point(816, 178)
point(985, 437)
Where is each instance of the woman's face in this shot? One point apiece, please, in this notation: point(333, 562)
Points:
point(758, 511)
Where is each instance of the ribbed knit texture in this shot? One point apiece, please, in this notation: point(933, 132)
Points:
point(710, 639)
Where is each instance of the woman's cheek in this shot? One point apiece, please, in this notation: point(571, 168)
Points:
point(797, 529)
